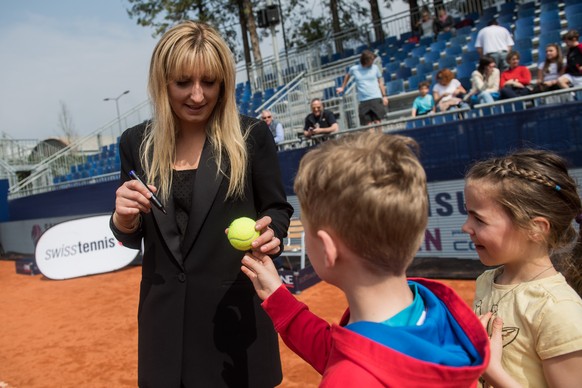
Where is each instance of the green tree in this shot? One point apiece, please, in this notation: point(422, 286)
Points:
point(224, 15)
point(308, 24)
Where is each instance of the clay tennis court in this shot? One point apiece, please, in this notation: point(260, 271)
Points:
point(83, 332)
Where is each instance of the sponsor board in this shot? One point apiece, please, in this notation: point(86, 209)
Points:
point(297, 281)
point(81, 247)
point(443, 236)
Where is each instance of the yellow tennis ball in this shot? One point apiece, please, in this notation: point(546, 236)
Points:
point(242, 232)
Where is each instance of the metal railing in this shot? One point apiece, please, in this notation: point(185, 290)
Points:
point(40, 178)
point(401, 120)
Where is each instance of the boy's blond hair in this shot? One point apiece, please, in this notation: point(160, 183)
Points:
point(370, 189)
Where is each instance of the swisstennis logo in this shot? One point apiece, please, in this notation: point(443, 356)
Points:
point(81, 247)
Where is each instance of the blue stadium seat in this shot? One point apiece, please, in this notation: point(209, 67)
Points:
point(458, 40)
point(464, 31)
point(447, 63)
point(454, 50)
point(550, 14)
point(523, 45)
point(411, 61)
point(403, 73)
point(432, 56)
point(573, 9)
point(425, 41)
point(424, 68)
point(470, 57)
point(414, 80)
point(508, 7)
point(406, 47)
point(395, 87)
point(549, 37)
point(438, 46)
point(526, 57)
point(550, 25)
point(464, 70)
point(525, 22)
point(444, 36)
point(391, 67)
point(575, 22)
point(418, 51)
point(523, 33)
point(504, 19)
point(466, 82)
point(400, 56)
point(526, 12)
point(528, 5)
point(488, 13)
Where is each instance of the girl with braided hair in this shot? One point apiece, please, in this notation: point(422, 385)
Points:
point(521, 210)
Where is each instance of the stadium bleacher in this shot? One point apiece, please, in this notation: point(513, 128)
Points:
point(406, 60)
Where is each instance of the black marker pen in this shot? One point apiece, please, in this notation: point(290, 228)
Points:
point(153, 198)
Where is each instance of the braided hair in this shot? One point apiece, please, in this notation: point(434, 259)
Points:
point(536, 183)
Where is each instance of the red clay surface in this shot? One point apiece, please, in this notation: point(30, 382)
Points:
point(83, 332)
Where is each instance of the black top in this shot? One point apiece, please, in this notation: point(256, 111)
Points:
point(182, 191)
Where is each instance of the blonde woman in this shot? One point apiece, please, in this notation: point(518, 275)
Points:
point(200, 323)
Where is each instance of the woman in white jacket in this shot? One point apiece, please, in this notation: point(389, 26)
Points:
point(485, 82)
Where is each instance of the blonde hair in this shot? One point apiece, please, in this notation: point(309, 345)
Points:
point(187, 46)
point(370, 189)
point(535, 183)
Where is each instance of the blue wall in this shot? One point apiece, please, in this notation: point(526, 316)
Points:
point(447, 150)
point(4, 213)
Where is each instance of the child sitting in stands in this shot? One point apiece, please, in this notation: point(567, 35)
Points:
point(573, 74)
point(364, 210)
point(423, 104)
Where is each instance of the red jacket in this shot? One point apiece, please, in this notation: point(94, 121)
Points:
point(347, 359)
point(521, 73)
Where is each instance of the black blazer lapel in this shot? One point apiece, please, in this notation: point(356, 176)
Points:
point(206, 186)
point(169, 229)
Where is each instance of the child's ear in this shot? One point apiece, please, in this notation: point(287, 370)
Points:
point(329, 248)
point(541, 228)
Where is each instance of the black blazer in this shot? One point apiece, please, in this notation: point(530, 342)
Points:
point(200, 321)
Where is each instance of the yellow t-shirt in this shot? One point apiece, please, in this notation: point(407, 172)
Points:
point(541, 319)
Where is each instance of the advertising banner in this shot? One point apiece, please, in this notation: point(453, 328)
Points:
point(81, 247)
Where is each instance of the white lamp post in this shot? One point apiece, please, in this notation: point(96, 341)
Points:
point(116, 99)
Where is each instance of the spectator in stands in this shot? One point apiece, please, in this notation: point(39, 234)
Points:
point(319, 121)
point(448, 91)
point(494, 41)
point(426, 24)
point(514, 81)
point(573, 75)
point(550, 70)
point(275, 126)
point(370, 89)
point(444, 22)
point(199, 322)
point(423, 104)
point(484, 82)
point(365, 210)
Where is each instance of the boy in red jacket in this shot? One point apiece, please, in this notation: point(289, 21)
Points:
point(364, 210)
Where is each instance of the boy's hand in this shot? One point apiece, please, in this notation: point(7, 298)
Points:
point(262, 272)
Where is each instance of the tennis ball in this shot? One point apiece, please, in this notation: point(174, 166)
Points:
point(241, 233)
